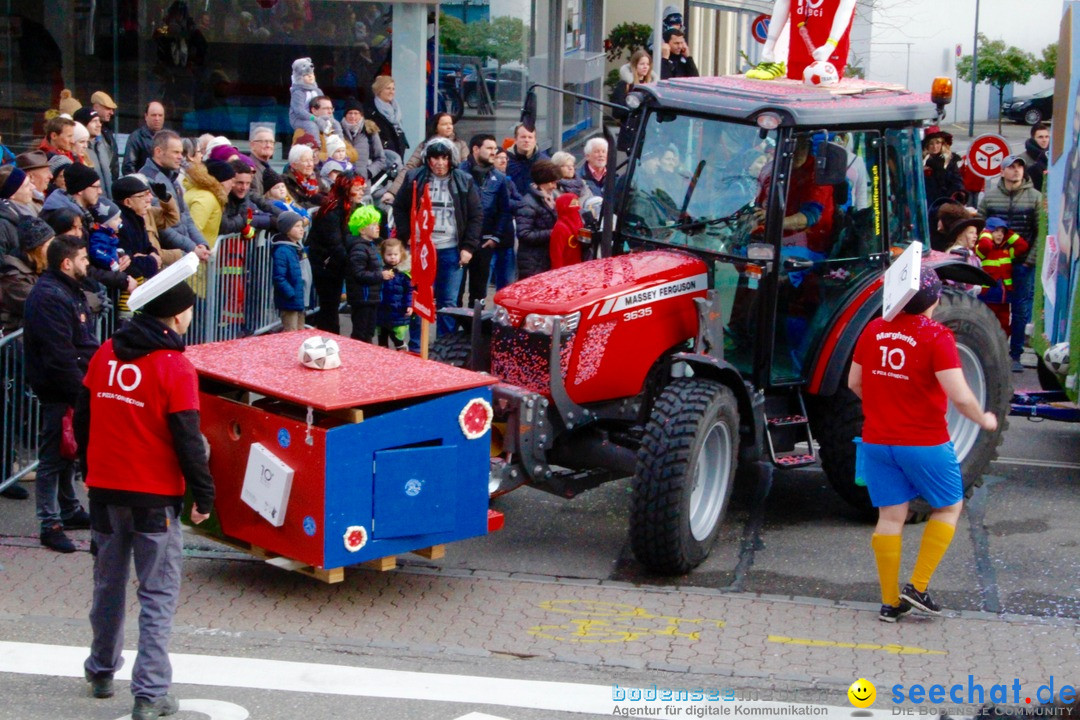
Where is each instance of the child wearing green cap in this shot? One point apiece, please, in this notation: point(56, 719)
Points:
point(364, 275)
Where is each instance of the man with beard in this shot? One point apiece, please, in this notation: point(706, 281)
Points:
point(497, 233)
point(1034, 156)
point(59, 341)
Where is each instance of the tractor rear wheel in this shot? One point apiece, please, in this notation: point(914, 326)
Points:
point(838, 419)
point(685, 473)
point(453, 349)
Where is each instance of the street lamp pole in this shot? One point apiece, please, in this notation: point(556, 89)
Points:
point(974, 73)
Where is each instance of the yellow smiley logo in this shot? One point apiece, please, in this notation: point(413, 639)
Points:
point(862, 693)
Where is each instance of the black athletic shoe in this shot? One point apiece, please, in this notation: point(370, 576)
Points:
point(920, 600)
point(892, 613)
point(15, 492)
point(147, 709)
point(55, 539)
point(78, 521)
point(101, 685)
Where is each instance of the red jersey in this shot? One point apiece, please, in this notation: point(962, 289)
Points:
point(131, 446)
point(903, 401)
point(817, 16)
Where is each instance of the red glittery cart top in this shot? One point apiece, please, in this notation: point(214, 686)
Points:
point(368, 374)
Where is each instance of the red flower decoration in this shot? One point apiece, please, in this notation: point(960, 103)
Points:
point(475, 418)
point(355, 538)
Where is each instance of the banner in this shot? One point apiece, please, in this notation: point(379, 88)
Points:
point(424, 257)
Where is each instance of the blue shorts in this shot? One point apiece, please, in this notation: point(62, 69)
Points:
point(896, 474)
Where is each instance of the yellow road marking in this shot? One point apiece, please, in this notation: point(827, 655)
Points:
point(892, 649)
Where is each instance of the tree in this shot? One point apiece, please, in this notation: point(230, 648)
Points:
point(628, 37)
point(1047, 64)
point(451, 34)
point(501, 39)
point(999, 65)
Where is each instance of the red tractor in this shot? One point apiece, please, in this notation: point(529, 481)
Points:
point(755, 223)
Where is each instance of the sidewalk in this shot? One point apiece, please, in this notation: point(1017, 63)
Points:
point(741, 640)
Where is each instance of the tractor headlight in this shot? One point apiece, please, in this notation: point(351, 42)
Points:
point(501, 316)
point(535, 322)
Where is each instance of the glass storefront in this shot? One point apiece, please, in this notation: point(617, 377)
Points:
point(221, 65)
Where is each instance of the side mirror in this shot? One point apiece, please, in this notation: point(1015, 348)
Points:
point(528, 109)
point(830, 164)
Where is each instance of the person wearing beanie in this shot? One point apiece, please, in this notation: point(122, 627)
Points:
point(19, 270)
point(363, 136)
point(137, 425)
point(440, 128)
point(290, 290)
point(134, 198)
point(364, 275)
point(68, 105)
point(104, 243)
point(536, 217)
point(276, 193)
point(15, 203)
point(337, 150)
point(98, 149)
point(81, 192)
point(208, 191)
point(905, 371)
point(328, 173)
point(459, 219)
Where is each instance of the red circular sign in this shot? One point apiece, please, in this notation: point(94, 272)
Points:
point(985, 155)
point(760, 27)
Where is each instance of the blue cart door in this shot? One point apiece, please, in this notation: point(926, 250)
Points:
point(414, 491)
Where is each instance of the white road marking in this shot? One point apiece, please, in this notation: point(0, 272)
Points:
point(1025, 462)
point(283, 675)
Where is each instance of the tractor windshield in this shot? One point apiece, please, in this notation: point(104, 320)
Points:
point(696, 183)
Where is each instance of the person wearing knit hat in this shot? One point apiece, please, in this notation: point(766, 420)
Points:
point(536, 217)
point(276, 193)
point(364, 275)
point(68, 105)
point(905, 371)
point(141, 455)
point(328, 173)
point(338, 151)
point(220, 171)
point(79, 177)
point(128, 186)
point(13, 182)
point(16, 199)
point(57, 163)
point(81, 145)
point(104, 243)
point(368, 155)
point(33, 233)
point(222, 153)
point(290, 289)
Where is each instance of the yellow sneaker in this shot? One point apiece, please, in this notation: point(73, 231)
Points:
point(767, 71)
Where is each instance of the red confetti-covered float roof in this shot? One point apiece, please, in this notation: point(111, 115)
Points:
point(369, 374)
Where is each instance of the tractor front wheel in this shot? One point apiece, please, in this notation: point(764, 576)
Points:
point(685, 473)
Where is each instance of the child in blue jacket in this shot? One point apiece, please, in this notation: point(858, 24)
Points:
point(289, 289)
point(395, 306)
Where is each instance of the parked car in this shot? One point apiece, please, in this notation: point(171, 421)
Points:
point(505, 86)
point(1030, 109)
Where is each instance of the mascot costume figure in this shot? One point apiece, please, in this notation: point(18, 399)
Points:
point(817, 41)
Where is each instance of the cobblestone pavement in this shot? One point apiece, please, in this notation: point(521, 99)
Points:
point(777, 642)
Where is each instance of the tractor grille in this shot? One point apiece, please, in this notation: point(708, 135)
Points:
point(521, 358)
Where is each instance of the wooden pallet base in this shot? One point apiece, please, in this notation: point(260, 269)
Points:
point(326, 575)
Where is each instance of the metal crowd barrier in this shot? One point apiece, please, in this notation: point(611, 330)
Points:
point(235, 298)
point(21, 414)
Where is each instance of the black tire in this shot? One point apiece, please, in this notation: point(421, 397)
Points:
point(453, 349)
point(472, 99)
point(672, 527)
point(838, 419)
point(1033, 116)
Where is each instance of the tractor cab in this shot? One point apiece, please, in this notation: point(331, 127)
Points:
point(793, 195)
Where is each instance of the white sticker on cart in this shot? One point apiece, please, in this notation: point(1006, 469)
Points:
point(666, 291)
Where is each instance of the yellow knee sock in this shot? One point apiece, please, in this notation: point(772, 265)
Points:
point(935, 541)
point(887, 554)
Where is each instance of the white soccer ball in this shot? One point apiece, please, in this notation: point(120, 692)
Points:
point(822, 73)
point(320, 353)
point(1057, 359)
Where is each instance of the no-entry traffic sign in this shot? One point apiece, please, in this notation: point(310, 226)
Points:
point(760, 28)
point(985, 155)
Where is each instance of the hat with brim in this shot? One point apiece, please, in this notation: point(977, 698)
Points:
point(933, 133)
point(1012, 160)
point(958, 227)
point(143, 297)
point(33, 160)
point(103, 99)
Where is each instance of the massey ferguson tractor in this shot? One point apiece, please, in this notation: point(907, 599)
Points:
point(755, 221)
